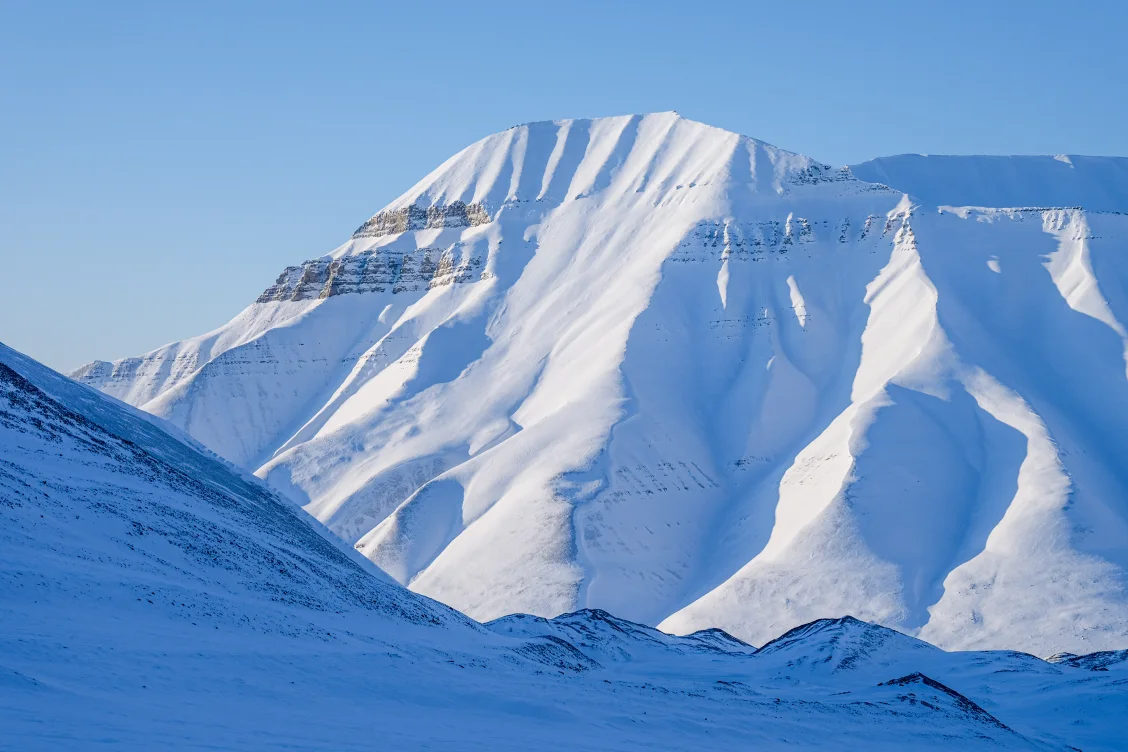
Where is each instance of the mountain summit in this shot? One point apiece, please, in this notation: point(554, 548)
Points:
point(650, 366)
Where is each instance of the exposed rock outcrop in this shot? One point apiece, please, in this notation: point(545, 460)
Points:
point(410, 218)
point(378, 270)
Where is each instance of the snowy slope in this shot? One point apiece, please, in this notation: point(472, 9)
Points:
point(1066, 180)
point(151, 596)
point(654, 367)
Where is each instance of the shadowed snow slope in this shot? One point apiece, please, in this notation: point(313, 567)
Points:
point(151, 596)
point(650, 366)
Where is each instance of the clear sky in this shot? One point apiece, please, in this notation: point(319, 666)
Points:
point(160, 163)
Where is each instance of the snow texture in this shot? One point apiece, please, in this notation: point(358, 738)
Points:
point(649, 366)
point(154, 596)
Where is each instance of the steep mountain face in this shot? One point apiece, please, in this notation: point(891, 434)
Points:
point(650, 366)
point(152, 595)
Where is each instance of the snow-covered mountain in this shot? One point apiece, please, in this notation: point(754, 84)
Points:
point(650, 366)
point(154, 596)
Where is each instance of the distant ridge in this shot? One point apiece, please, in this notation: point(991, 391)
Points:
point(1097, 184)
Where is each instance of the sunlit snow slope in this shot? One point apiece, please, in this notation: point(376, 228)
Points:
point(648, 365)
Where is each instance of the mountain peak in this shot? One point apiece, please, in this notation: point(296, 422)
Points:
point(664, 114)
point(651, 155)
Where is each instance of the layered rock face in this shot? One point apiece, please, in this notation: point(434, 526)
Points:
point(411, 218)
point(374, 271)
point(651, 366)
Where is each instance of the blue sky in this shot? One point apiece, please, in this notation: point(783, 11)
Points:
point(160, 163)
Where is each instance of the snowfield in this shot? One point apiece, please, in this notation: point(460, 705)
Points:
point(649, 366)
point(155, 596)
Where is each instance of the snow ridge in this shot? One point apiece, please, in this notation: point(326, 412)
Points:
point(1097, 184)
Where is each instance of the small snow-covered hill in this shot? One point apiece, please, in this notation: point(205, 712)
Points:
point(151, 595)
point(645, 365)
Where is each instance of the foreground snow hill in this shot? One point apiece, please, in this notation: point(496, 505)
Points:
point(152, 596)
point(651, 366)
